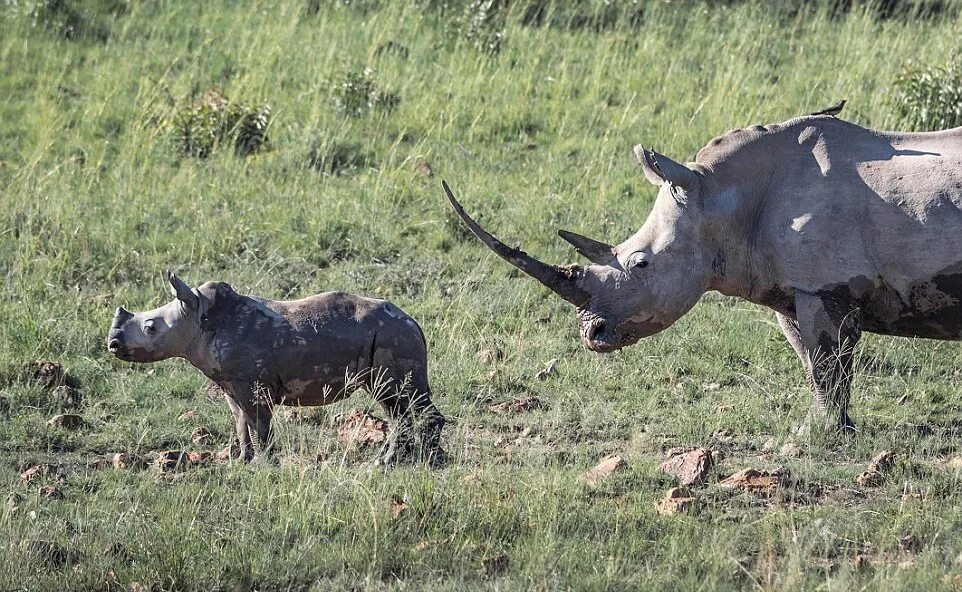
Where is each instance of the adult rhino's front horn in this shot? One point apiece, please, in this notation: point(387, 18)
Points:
point(563, 281)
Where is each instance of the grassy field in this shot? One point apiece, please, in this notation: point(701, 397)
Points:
point(96, 199)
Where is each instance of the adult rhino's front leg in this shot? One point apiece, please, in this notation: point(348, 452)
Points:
point(824, 333)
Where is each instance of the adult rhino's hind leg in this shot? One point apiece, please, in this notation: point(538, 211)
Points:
point(829, 328)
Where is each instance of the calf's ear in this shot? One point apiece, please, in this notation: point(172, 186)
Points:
point(182, 291)
point(660, 169)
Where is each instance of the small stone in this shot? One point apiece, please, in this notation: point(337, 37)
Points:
point(424, 168)
point(548, 370)
point(48, 373)
point(36, 472)
point(724, 408)
point(50, 492)
point(125, 460)
point(99, 463)
point(870, 478)
point(200, 458)
point(521, 405)
point(362, 428)
point(757, 481)
point(770, 445)
point(789, 449)
point(67, 397)
point(883, 461)
point(607, 466)
point(224, 454)
point(710, 387)
point(171, 460)
point(954, 464)
point(189, 416)
point(200, 435)
point(678, 500)
point(690, 468)
point(67, 421)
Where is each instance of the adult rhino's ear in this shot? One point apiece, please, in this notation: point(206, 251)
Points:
point(659, 169)
point(182, 291)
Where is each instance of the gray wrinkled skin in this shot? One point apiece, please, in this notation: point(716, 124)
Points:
point(312, 351)
point(838, 228)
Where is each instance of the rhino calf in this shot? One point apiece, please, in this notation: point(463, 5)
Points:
point(312, 351)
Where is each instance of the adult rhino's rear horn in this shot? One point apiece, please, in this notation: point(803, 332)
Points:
point(563, 281)
point(592, 250)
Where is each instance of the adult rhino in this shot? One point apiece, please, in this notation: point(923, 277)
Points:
point(837, 228)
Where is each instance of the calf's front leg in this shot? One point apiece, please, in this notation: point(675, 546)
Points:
point(829, 327)
point(242, 428)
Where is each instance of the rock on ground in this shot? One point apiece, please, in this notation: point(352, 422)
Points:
point(171, 460)
point(41, 471)
point(607, 466)
point(521, 405)
point(125, 460)
point(874, 475)
point(48, 373)
point(678, 500)
point(691, 467)
point(67, 421)
point(757, 481)
point(362, 428)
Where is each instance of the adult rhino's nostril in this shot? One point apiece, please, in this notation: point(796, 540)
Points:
point(596, 328)
point(114, 346)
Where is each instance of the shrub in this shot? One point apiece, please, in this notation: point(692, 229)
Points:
point(200, 125)
point(930, 97)
point(356, 92)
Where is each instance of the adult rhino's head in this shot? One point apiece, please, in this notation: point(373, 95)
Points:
point(160, 333)
point(639, 287)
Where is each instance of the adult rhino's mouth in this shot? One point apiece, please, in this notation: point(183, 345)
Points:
point(601, 336)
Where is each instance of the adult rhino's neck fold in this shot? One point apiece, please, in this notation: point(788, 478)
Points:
point(728, 227)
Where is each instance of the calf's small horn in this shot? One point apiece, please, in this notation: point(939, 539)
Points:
point(560, 280)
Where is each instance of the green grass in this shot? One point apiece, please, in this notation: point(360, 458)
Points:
point(96, 202)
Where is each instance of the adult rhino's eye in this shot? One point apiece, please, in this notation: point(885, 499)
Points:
point(638, 261)
point(149, 327)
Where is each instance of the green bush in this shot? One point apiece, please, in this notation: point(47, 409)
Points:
point(930, 97)
point(200, 125)
point(356, 92)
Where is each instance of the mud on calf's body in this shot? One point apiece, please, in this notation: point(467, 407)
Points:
point(313, 351)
